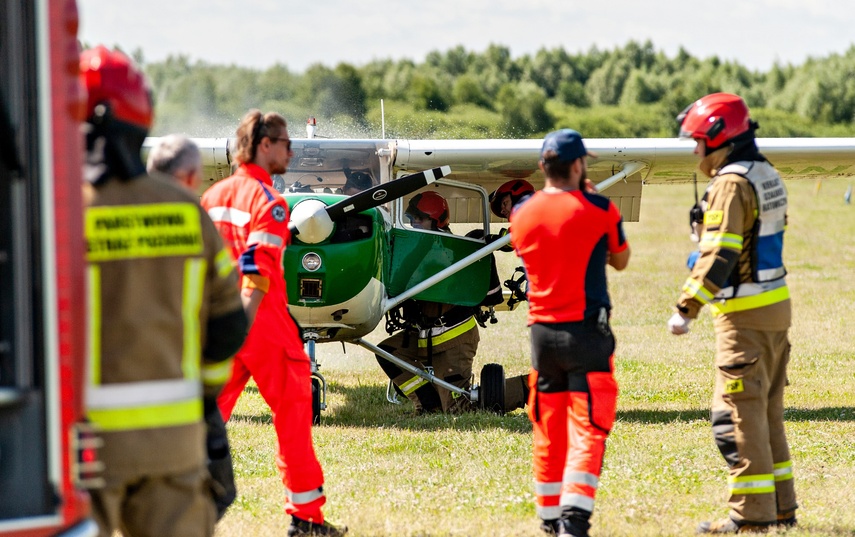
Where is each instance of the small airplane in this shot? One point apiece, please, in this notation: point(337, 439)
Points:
point(353, 259)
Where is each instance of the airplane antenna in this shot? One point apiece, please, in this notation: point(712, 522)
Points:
point(382, 120)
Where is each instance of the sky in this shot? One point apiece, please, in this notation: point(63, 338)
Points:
point(297, 34)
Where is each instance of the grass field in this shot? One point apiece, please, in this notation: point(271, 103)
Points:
point(390, 473)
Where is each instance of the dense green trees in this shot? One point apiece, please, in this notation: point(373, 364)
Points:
point(630, 91)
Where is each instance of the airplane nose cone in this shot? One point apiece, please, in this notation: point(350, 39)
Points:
point(312, 221)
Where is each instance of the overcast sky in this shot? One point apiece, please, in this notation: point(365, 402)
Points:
point(260, 33)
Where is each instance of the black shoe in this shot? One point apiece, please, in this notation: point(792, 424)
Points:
point(550, 527)
point(300, 527)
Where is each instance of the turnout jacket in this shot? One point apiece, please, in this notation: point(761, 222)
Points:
point(160, 289)
point(739, 272)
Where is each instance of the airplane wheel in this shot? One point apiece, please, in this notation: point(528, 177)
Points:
point(316, 401)
point(493, 388)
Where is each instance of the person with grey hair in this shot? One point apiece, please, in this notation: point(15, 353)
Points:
point(178, 156)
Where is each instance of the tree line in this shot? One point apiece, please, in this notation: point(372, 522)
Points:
point(632, 91)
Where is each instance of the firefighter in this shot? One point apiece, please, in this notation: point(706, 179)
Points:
point(165, 317)
point(509, 195)
point(253, 220)
point(177, 157)
point(442, 338)
point(740, 274)
point(566, 234)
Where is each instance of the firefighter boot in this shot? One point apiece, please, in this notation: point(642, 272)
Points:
point(300, 528)
point(728, 525)
point(787, 519)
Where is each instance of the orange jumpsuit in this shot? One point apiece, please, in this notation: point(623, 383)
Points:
point(564, 240)
point(253, 220)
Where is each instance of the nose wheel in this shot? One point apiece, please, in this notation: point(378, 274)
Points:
point(319, 384)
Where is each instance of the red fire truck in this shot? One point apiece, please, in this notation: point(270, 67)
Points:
point(47, 456)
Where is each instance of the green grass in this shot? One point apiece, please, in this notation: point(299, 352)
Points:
point(390, 473)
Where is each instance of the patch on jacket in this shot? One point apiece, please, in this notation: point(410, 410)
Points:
point(712, 218)
point(278, 213)
point(733, 386)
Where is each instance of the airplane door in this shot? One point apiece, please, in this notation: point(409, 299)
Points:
point(416, 255)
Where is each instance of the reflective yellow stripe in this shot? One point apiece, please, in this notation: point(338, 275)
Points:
point(148, 417)
point(783, 471)
point(93, 274)
point(412, 385)
point(752, 484)
point(137, 231)
point(751, 302)
point(191, 303)
point(217, 374)
point(449, 334)
point(223, 263)
point(697, 290)
point(730, 241)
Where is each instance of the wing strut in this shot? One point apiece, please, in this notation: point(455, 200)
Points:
point(626, 170)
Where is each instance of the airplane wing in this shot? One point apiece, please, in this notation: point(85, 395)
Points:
point(622, 167)
point(623, 164)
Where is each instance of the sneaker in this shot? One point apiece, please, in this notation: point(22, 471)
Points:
point(550, 527)
point(728, 525)
point(300, 527)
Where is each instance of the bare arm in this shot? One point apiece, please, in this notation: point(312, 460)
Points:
point(619, 260)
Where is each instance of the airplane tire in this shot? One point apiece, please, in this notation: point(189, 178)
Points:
point(316, 401)
point(493, 388)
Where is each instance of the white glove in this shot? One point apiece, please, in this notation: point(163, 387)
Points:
point(679, 325)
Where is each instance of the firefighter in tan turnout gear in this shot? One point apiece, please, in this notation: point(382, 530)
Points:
point(164, 318)
point(739, 273)
point(439, 337)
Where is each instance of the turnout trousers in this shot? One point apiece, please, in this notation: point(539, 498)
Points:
point(145, 505)
point(572, 405)
point(748, 422)
point(276, 360)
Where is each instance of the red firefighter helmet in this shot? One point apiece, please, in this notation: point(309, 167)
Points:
point(109, 76)
point(716, 118)
point(517, 188)
point(431, 205)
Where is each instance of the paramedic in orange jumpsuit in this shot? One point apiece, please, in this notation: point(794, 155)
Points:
point(565, 235)
point(253, 220)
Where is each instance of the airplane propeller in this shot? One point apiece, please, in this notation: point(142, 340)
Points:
point(313, 221)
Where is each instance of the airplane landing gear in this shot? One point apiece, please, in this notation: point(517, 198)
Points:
point(492, 389)
point(319, 384)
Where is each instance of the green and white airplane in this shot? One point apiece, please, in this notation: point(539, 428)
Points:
point(353, 259)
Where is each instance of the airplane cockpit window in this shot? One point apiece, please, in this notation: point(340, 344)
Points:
point(445, 207)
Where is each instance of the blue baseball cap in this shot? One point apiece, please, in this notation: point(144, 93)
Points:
point(567, 143)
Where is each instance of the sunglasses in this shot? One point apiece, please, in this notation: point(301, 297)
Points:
point(286, 140)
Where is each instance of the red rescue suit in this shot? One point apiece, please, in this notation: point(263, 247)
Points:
point(253, 220)
point(564, 239)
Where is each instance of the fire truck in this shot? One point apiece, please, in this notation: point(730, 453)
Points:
point(48, 458)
